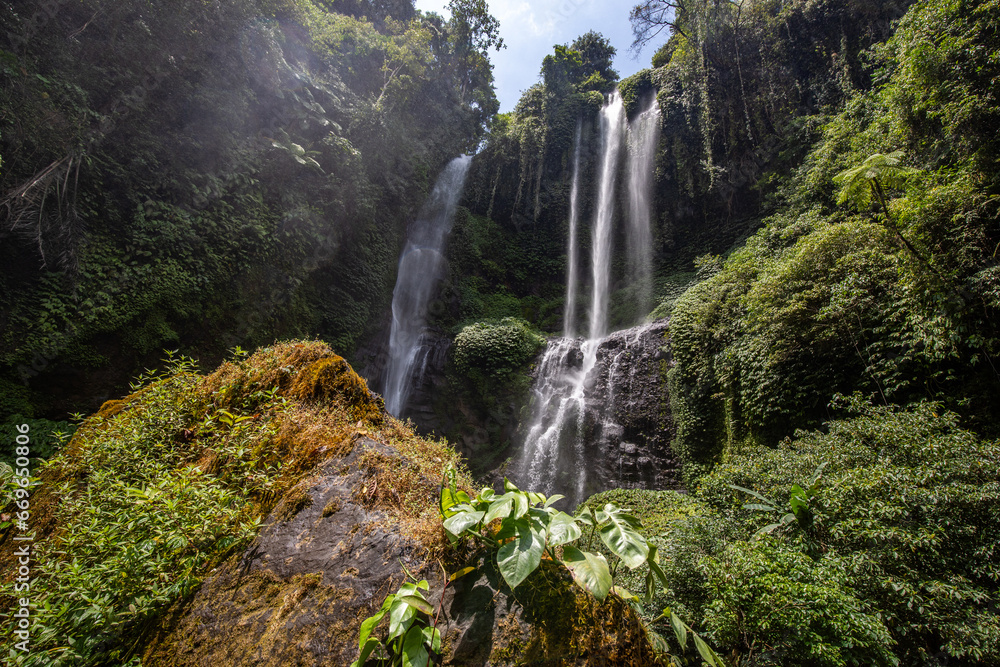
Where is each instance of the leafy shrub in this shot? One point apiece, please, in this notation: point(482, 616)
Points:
point(495, 350)
point(901, 544)
point(158, 488)
point(781, 607)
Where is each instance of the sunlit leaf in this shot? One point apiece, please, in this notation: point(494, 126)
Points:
point(589, 570)
point(520, 557)
point(562, 528)
point(414, 649)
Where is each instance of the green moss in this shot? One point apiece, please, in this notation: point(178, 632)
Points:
point(333, 377)
point(182, 472)
point(560, 622)
point(634, 88)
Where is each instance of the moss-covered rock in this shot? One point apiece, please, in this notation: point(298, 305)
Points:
point(257, 516)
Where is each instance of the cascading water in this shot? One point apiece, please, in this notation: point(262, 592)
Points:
point(420, 268)
point(569, 315)
point(612, 133)
point(553, 456)
point(643, 134)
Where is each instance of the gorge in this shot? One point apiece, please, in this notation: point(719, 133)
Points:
point(285, 381)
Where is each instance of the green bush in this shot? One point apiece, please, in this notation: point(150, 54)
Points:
point(899, 550)
point(495, 350)
point(781, 607)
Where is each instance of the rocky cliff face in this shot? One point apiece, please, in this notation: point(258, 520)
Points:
point(326, 559)
point(629, 414)
point(599, 417)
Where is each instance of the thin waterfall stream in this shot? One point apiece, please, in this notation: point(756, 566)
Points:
point(569, 314)
point(553, 454)
point(420, 268)
point(643, 135)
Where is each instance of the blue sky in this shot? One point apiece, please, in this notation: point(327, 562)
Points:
point(530, 28)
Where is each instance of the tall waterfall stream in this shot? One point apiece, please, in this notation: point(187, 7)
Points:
point(420, 269)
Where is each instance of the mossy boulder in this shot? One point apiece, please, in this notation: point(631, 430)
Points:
point(258, 515)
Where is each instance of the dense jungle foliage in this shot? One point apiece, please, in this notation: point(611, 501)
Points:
point(202, 175)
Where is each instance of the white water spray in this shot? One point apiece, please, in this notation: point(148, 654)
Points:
point(420, 267)
point(643, 135)
point(569, 314)
point(612, 133)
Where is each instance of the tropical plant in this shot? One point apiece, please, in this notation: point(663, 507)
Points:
point(411, 640)
point(799, 510)
point(530, 529)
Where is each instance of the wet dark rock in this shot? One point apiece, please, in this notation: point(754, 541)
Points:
point(299, 592)
point(618, 434)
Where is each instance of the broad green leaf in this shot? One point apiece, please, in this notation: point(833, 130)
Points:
point(535, 498)
point(432, 636)
point(448, 500)
point(509, 486)
point(519, 558)
point(758, 506)
point(520, 504)
point(654, 566)
point(623, 516)
point(562, 529)
point(366, 650)
point(369, 625)
point(624, 542)
point(768, 529)
point(798, 501)
point(463, 520)
point(418, 602)
point(414, 650)
point(589, 570)
point(554, 498)
point(409, 588)
point(401, 617)
point(706, 652)
point(585, 516)
point(519, 500)
point(680, 630)
point(499, 508)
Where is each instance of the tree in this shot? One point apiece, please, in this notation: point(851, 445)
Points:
point(597, 54)
point(870, 179)
point(652, 17)
point(584, 64)
point(474, 27)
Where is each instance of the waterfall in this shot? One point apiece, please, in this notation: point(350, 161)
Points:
point(569, 314)
point(643, 135)
point(612, 133)
point(553, 457)
point(420, 267)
